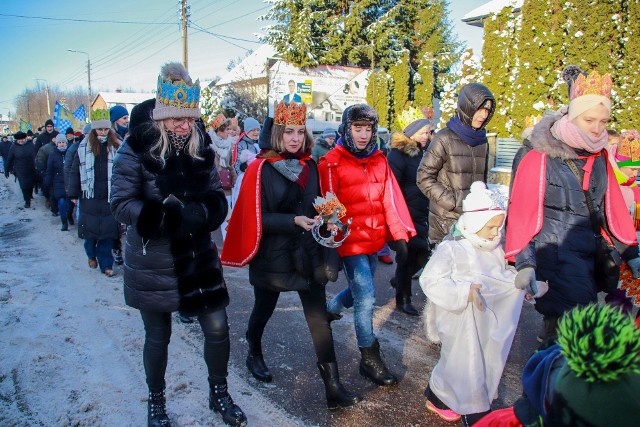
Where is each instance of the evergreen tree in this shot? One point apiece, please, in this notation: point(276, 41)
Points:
point(499, 58)
point(378, 95)
point(627, 83)
point(400, 75)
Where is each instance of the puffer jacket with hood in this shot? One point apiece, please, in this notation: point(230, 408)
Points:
point(450, 165)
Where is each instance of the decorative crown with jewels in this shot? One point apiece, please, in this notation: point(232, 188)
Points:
point(218, 121)
point(593, 84)
point(628, 153)
point(293, 114)
point(178, 94)
point(330, 211)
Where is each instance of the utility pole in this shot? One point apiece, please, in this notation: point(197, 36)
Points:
point(47, 91)
point(185, 55)
point(88, 112)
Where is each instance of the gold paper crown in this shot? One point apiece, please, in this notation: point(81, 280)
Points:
point(293, 114)
point(326, 205)
point(593, 84)
point(629, 145)
point(531, 121)
point(218, 121)
point(99, 115)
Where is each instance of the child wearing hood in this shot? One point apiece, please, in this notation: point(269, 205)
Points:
point(473, 309)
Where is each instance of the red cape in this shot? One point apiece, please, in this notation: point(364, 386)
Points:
point(245, 226)
point(526, 206)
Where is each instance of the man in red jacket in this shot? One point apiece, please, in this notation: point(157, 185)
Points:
point(358, 174)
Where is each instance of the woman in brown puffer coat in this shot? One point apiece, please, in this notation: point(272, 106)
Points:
point(456, 158)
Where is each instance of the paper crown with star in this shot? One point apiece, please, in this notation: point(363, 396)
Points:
point(293, 114)
point(100, 119)
point(628, 153)
point(592, 84)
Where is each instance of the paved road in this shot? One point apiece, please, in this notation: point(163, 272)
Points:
point(297, 386)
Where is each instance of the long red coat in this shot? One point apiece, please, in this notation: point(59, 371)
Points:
point(372, 197)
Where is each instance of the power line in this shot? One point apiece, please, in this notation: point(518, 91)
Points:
point(49, 18)
point(223, 37)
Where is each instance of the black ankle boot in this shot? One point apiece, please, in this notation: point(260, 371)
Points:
point(337, 395)
point(222, 403)
point(65, 225)
point(403, 304)
point(372, 366)
point(157, 410)
point(70, 218)
point(255, 362)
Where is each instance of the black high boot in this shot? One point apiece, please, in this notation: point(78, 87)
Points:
point(255, 362)
point(372, 366)
point(403, 301)
point(70, 215)
point(65, 225)
point(337, 395)
point(221, 402)
point(157, 410)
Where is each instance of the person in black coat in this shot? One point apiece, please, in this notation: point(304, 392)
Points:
point(285, 256)
point(90, 182)
point(5, 145)
point(166, 190)
point(407, 150)
point(21, 162)
point(54, 179)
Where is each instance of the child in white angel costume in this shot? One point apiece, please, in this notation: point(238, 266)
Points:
point(473, 309)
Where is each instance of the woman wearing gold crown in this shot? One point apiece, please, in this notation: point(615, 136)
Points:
point(165, 188)
point(279, 248)
point(562, 169)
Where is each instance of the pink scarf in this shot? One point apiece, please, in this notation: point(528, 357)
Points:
point(571, 135)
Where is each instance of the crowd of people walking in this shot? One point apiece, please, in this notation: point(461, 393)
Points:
point(165, 180)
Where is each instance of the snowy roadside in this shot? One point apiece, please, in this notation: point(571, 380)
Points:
point(72, 350)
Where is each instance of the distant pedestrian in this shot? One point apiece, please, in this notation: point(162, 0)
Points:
point(245, 151)
point(20, 162)
point(323, 144)
point(54, 179)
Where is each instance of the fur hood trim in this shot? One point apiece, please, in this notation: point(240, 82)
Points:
point(406, 145)
point(543, 140)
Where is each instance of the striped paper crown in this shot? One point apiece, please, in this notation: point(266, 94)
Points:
point(628, 153)
point(178, 94)
point(293, 114)
point(97, 115)
point(593, 84)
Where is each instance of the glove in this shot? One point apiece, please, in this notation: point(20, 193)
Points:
point(526, 280)
point(400, 246)
point(194, 217)
point(634, 265)
point(172, 207)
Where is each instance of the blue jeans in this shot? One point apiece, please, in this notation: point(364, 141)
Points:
point(62, 208)
point(100, 250)
point(359, 270)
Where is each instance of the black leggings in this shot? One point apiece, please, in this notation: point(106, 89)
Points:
point(157, 328)
point(27, 194)
point(315, 312)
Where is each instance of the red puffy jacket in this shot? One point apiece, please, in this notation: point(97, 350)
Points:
point(370, 192)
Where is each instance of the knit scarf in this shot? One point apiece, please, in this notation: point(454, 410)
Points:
point(467, 134)
point(223, 148)
point(87, 163)
point(347, 142)
point(571, 135)
point(178, 141)
point(292, 166)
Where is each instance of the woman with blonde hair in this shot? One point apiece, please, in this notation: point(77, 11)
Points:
point(167, 191)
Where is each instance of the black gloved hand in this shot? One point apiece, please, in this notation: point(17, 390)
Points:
point(400, 246)
point(194, 216)
point(172, 207)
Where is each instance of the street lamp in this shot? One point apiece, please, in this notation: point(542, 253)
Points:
point(88, 76)
point(46, 83)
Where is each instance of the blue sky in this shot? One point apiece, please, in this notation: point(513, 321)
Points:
point(130, 55)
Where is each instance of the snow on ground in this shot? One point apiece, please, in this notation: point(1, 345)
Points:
point(71, 350)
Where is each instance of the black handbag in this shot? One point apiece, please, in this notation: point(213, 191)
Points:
point(607, 261)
